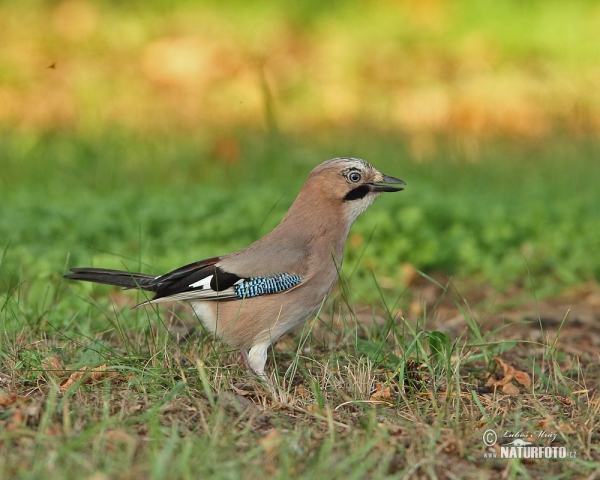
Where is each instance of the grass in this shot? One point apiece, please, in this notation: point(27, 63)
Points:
point(383, 384)
point(129, 137)
point(155, 204)
point(398, 401)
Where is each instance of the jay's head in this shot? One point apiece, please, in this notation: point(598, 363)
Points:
point(352, 184)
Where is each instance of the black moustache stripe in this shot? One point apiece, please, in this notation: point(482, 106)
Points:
point(357, 193)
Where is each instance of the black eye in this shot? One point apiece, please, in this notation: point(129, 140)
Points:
point(354, 177)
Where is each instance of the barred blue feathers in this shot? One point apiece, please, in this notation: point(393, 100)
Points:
point(255, 287)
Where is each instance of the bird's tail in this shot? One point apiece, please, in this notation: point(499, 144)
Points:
point(119, 278)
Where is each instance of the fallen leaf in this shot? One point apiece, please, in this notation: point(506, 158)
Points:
point(505, 384)
point(53, 367)
point(510, 389)
point(7, 398)
point(53, 364)
point(88, 374)
point(381, 393)
point(520, 376)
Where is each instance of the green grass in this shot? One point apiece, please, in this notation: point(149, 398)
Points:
point(183, 410)
point(178, 404)
point(117, 157)
point(155, 205)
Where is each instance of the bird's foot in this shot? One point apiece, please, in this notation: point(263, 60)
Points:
point(251, 371)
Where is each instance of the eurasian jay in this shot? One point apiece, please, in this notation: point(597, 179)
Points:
point(250, 298)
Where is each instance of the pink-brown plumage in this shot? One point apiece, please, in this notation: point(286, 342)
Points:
point(308, 243)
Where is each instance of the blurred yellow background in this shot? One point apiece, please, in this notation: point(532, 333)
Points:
point(471, 69)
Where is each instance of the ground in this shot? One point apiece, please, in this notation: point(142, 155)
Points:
point(363, 395)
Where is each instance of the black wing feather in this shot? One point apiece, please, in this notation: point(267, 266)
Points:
point(179, 281)
point(113, 277)
point(202, 280)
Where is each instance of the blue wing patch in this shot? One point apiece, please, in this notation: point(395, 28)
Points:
point(254, 287)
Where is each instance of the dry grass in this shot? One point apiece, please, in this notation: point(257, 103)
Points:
point(346, 398)
point(90, 389)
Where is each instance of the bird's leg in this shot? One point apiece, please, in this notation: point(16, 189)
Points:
point(257, 357)
point(255, 360)
point(246, 361)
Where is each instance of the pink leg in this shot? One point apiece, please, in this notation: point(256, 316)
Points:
point(246, 361)
point(251, 371)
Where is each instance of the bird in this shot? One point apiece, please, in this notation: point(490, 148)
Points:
point(252, 297)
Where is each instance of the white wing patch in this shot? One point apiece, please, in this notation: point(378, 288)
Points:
point(241, 289)
point(203, 284)
point(207, 294)
point(202, 290)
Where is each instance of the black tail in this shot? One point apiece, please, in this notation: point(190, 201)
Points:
point(113, 277)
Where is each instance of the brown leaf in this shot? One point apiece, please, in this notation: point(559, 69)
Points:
point(381, 393)
point(505, 384)
point(7, 398)
point(88, 374)
point(490, 381)
point(53, 366)
point(509, 371)
point(509, 389)
point(52, 363)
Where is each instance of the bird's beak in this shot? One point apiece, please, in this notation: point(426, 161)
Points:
point(388, 184)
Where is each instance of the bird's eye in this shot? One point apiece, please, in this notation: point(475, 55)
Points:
point(354, 177)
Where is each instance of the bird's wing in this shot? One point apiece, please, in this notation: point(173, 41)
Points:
point(205, 280)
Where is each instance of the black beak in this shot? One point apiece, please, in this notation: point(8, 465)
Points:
point(389, 184)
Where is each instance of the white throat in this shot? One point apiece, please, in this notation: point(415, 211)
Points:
point(354, 208)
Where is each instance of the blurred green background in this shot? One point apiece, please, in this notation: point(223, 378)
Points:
point(153, 134)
